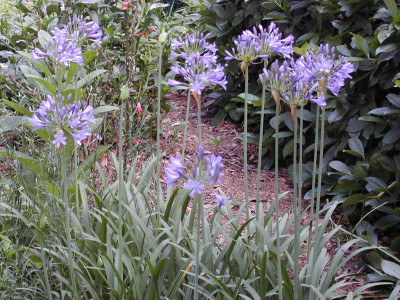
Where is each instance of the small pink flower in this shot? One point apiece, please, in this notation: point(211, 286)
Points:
point(137, 141)
point(84, 141)
point(126, 5)
point(139, 108)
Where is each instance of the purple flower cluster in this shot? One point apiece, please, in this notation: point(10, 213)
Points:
point(200, 68)
point(306, 78)
point(211, 174)
point(65, 45)
point(193, 43)
point(260, 43)
point(58, 117)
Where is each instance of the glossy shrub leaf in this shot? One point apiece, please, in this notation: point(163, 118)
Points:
point(356, 145)
point(391, 268)
point(339, 166)
point(387, 221)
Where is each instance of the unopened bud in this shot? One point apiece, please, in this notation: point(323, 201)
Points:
point(293, 111)
point(196, 97)
point(163, 36)
point(322, 82)
point(124, 92)
point(243, 66)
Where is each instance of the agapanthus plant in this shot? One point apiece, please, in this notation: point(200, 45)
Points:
point(198, 180)
point(65, 45)
point(60, 51)
point(79, 31)
point(328, 70)
point(59, 117)
point(199, 72)
point(192, 43)
point(272, 42)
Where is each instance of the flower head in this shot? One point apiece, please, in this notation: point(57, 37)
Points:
point(277, 77)
point(199, 72)
point(192, 43)
point(325, 66)
point(139, 108)
point(56, 116)
point(62, 51)
point(272, 42)
point(126, 5)
point(79, 31)
point(248, 47)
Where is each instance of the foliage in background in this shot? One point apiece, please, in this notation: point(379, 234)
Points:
point(362, 144)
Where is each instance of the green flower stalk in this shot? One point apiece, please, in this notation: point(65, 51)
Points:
point(186, 124)
point(260, 145)
point(159, 121)
point(246, 181)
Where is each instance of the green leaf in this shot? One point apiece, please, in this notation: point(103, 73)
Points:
point(361, 44)
point(104, 108)
point(44, 38)
point(384, 111)
point(9, 123)
point(391, 268)
point(18, 108)
point(394, 99)
point(392, 6)
point(371, 119)
point(288, 149)
point(391, 136)
point(219, 117)
point(88, 56)
point(387, 221)
point(88, 78)
point(339, 166)
point(386, 48)
point(356, 145)
point(354, 199)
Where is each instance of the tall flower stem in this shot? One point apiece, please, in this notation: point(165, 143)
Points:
point(312, 203)
point(278, 233)
point(246, 183)
point(120, 188)
point(199, 204)
point(159, 121)
point(296, 229)
point(320, 167)
point(45, 269)
point(299, 195)
point(67, 221)
point(260, 146)
point(186, 124)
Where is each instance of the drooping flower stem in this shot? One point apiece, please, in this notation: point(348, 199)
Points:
point(260, 146)
point(278, 233)
point(120, 188)
point(159, 120)
point(296, 229)
point(67, 221)
point(246, 184)
point(312, 203)
point(186, 124)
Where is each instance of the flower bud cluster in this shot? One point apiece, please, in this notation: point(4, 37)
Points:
point(59, 117)
point(199, 179)
point(65, 45)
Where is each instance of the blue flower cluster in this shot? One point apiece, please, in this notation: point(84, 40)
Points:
point(306, 78)
point(260, 43)
point(65, 45)
point(211, 174)
point(199, 69)
point(58, 117)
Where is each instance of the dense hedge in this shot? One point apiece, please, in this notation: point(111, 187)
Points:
point(362, 157)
